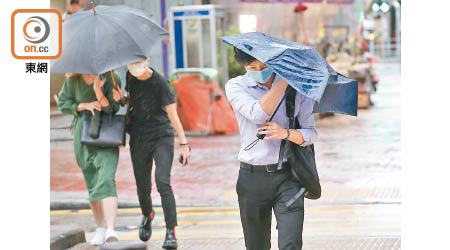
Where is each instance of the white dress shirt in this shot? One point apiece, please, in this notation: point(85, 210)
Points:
point(244, 94)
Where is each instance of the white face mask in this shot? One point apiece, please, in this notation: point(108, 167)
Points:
point(136, 69)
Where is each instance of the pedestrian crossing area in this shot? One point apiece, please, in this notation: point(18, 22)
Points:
point(216, 223)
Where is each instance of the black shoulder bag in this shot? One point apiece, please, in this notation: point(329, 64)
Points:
point(103, 130)
point(301, 159)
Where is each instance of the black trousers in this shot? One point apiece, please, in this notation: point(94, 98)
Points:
point(143, 152)
point(259, 193)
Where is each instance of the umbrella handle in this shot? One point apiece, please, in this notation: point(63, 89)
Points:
point(260, 136)
point(102, 76)
point(122, 100)
point(114, 83)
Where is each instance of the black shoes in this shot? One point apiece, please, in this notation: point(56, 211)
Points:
point(145, 232)
point(145, 229)
point(171, 241)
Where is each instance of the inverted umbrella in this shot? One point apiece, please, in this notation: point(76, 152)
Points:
point(303, 68)
point(105, 38)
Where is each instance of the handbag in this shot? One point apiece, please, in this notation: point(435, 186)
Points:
point(301, 159)
point(111, 128)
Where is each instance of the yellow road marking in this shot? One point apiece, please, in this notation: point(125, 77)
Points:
point(200, 236)
point(350, 233)
point(307, 212)
point(184, 214)
point(241, 236)
point(138, 210)
point(207, 222)
point(386, 219)
point(209, 211)
point(307, 221)
point(238, 227)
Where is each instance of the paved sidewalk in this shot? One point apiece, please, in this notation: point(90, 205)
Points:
point(326, 227)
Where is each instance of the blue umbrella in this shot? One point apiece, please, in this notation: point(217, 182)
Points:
point(303, 68)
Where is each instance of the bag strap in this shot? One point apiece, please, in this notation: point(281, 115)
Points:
point(290, 108)
point(276, 109)
point(290, 105)
point(128, 99)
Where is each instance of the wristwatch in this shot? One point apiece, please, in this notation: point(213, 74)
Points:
point(186, 144)
point(288, 134)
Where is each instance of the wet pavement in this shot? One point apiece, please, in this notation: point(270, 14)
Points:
point(326, 227)
point(358, 161)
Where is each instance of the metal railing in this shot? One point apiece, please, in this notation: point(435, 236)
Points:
point(386, 49)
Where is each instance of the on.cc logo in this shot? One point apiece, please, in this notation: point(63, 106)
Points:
point(36, 34)
point(36, 29)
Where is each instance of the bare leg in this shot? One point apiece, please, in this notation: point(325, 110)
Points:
point(97, 209)
point(110, 211)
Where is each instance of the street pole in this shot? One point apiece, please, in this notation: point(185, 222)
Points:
point(397, 28)
point(224, 53)
point(164, 45)
point(372, 46)
point(384, 30)
point(305, 36)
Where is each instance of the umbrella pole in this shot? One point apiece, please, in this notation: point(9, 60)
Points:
point(305, 36)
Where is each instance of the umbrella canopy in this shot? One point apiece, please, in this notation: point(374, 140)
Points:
point(94, 42)
point(303, 68)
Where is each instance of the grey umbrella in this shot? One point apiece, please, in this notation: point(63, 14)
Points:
point(107, 37)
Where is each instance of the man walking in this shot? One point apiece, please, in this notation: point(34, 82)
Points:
point(153, 117)
point(262, 187)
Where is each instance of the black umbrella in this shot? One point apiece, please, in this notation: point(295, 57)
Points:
point(97, 41)
point(104, 38)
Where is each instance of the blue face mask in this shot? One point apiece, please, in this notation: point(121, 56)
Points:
point(260, 76)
